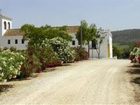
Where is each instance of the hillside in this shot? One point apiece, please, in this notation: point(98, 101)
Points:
point(126, 36)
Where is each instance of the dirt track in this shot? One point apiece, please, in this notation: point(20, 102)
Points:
point(98, 82)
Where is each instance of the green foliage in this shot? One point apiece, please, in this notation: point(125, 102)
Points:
point(88, 33)
point(62, 48)
point(122, 51)
point(116, 51)
point(10, 64)
point(37, 34)
point(80, 54)
point(32, 64)
point(135, 55)
point(83, 29)
point(13, 49)
point(48, 53)
point(40, 52)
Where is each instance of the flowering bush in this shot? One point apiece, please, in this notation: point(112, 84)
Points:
point(81, 54)
point(10, 64)
point(39, 56)
point(48, 57)
point(30, 65)
point(135, 55)
point(62, 48)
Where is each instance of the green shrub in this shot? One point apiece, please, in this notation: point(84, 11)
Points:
point(10, 64)
point(5, 48)
point(81, 54)
point(62, 48)
point(135, 55)
point(31, 64)
point(13, 49)
point(47, 55)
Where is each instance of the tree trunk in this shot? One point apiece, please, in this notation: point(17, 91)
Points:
point(88, 50)
point(99, 52)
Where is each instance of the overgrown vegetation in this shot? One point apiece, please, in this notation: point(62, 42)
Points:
point(135, 55)
point(47, 47)
point(124, 41)
point(122, 51)
point(10, 64)
point(90, 33)
point(80, 54)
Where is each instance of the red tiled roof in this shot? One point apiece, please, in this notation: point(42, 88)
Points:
point(72, 29)
point(18, 32)
point(14, 32)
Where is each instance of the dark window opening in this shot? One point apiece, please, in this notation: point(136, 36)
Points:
point(16, 41)
point(5, 26)
point(9, 25)
point(22, 41)
point(93, 45)
point(9, 42)
point(73, 42)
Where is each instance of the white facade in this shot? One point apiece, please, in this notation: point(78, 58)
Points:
point(105, 47)
point(106, 50)
point(13, 41)
point(9, 41)
point(5, 21)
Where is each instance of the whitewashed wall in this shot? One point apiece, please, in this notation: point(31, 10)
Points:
point(4, 30)
point(106, 50)
point(73, 39)
point(20, 46)
point(106, 46)
point(111, 44)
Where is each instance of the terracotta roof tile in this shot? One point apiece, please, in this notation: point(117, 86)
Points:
point(18, 32)
point(14, 32)
point(72, 29)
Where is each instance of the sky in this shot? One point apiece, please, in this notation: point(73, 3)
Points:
point(108, 14)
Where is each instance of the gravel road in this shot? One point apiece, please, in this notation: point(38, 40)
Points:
point(93, 82)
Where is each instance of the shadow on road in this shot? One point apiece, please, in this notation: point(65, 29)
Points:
point(5, 87)
point(134, 72)
point(136, 80)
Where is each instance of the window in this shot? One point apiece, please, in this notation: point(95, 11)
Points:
point(94, 45)
point(9, 25)
point(16, 41)
point(5, 26)
point(9, 41)
point(73, 42)
point(22, 41)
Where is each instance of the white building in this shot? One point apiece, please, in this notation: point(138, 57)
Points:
point(10, 37)
point(106, 50)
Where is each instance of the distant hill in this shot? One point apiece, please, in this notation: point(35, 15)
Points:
point(126, 36)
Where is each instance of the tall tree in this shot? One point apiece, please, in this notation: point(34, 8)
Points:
point(37, 34)
point(92, 35)
point(100, 35)
point(82, 33)
point(86, 34)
